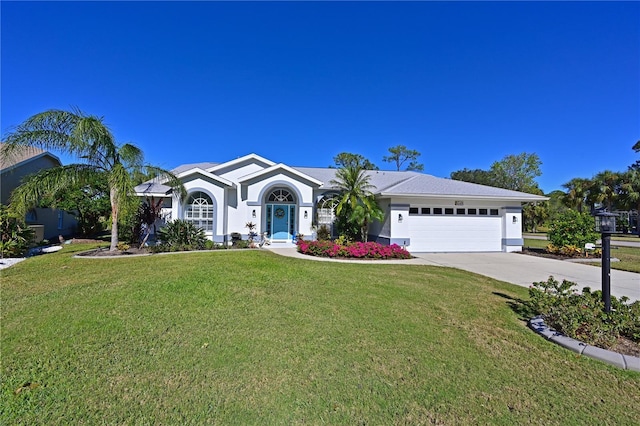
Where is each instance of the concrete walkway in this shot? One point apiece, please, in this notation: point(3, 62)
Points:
point(515, 268)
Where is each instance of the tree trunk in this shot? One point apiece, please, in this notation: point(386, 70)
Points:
point(114, 220)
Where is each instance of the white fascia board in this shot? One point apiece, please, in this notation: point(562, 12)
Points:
point(198, 170)
point(282, 167)
point(534, 198)
point(240, 160)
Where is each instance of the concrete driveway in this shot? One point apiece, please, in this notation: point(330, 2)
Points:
point(524, 270)
point(515, 268)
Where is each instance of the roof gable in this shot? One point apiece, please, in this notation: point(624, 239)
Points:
point(239, 162)
point(199, 171)
point(22, 156)
point(280, 167)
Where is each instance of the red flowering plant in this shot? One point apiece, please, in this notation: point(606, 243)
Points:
point(369, 250)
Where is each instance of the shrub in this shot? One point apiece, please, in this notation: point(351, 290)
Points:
point(343, 240)
point(123, 246)
point(359, 250)
point(572, 228)
point(181, 235)
point(16, 236)
point(582, 316)
point(571, 251)
point(323, 233)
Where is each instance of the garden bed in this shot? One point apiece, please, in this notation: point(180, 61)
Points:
point(540, 252)
point(105, 252)
point(358, 250)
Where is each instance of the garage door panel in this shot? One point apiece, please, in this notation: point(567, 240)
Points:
point(461, 234)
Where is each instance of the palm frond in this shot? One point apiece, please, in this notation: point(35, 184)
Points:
point(47, 130)
point(167, 178)
point(98, 143)
point(49, 182)
point(131, 156)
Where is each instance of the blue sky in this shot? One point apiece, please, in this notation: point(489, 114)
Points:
point(463, 83)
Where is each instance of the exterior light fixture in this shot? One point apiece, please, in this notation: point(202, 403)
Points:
point(306, 214)
point(400, 218)
point(253, 213)
point(515, 219)
point(606, 225)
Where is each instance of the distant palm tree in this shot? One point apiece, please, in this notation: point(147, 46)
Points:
point(631, 191)
point(90, 140)
point(577, 191)
point(605, 189)
point(356, 201)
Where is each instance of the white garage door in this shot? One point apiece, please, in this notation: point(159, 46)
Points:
point(455, 233)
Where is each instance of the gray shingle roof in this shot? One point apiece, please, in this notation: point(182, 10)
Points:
point(392, 183)
point(386, 183)
point(185, 167)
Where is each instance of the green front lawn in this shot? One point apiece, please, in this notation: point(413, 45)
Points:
point(248, 337)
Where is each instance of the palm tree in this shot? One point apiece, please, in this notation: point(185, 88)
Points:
point(577, 191)
point(356, 201)
point(631, 191)
point(605, 189)
point(90, 140)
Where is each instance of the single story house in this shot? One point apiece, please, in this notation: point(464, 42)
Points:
point(47, 223)
point(422, 212)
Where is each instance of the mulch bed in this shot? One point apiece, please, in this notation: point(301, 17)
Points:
point(626, 347)
point(623, 345)
point(117, 253)
point(540, 252)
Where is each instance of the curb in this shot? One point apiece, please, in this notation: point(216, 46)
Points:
point(626, 362)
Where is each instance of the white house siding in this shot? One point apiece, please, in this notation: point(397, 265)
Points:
point(216, 192)
point(512, 229)
point(257, 190)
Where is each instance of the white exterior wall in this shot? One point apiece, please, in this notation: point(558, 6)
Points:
point(400, 231)
point(512, 229)
point(256, 192)
point(217, 194)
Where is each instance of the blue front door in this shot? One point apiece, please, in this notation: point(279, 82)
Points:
point(280, 223)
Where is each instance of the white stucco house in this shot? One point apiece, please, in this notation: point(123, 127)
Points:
point(422, 212)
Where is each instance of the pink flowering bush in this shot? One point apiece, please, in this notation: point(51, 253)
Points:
point(368, 250)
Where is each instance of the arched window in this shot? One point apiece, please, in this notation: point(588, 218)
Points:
point(326, 209)
point(280, 196)
point(199, 211)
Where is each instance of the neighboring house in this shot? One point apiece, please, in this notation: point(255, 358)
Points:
point(49, 223)
point(422, 212)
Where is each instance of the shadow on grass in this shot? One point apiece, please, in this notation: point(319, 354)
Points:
point(520, 306)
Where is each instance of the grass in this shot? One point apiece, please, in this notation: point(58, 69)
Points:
point(253, 338)
point(629, 256)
